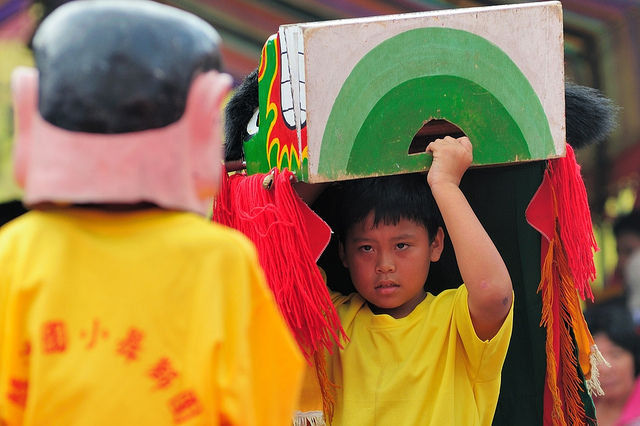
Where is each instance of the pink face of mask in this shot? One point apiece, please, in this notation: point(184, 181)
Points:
point(176, 167)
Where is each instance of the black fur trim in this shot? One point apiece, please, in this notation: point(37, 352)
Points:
point(590, 115)
point(238, 112)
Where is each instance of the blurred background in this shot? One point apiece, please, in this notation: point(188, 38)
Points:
point(602, 51)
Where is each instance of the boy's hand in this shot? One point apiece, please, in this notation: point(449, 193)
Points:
point(451, 158)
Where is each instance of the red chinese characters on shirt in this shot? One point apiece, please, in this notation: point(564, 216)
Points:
point(18, 390)
point(97, 332)
point(163, 373)
point(184, 406)
point(54, 337)
point(131, 345)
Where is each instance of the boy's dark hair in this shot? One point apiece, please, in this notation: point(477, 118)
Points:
point(391, 198)
point(629, 223)
point(616, 322)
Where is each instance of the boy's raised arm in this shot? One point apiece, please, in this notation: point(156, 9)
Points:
point(480, 263)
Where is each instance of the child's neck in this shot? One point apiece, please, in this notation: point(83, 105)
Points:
point(399, 311)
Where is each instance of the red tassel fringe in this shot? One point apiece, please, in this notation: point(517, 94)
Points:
point(273, 221)
point(574, 221)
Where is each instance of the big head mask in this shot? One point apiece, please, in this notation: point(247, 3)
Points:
point(123, 107)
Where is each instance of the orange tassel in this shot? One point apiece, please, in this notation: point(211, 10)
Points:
point(327, 388)
point(568, 261)
point(558, 290)
point(547, 320)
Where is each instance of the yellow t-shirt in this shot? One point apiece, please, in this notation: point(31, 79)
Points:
point(428, 368)
point(146, 318)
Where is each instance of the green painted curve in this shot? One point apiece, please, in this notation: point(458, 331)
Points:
point(420, 55)
point(442, 97)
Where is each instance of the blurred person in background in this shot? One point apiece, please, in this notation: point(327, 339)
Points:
point(627, 232)
point(619, 288)
point(614, 333)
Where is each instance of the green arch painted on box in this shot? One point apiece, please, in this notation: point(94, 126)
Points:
point(416, 55)
point(443, 97)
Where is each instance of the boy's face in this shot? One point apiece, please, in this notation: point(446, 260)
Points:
point(389, 264)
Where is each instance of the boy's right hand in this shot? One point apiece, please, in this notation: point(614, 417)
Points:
point(451, 159)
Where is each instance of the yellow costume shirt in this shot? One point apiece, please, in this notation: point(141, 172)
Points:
point(145, 318)
point(428, 368)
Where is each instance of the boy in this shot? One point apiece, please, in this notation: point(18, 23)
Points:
point(413, 358)
point(119, 302)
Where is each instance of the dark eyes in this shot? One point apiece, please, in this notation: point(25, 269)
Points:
point(367, 248)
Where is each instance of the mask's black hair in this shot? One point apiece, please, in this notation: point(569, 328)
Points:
point(616, 322)
point(391, 198)
point(118, 67)
point(238, 113)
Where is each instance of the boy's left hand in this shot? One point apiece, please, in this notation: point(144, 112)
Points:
point(451, 158)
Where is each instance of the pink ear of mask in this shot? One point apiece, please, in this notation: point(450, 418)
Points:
point(176, 167)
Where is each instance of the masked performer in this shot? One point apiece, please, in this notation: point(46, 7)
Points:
point(119, 302)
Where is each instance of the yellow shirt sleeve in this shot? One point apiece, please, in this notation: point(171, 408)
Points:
point(478, 351)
